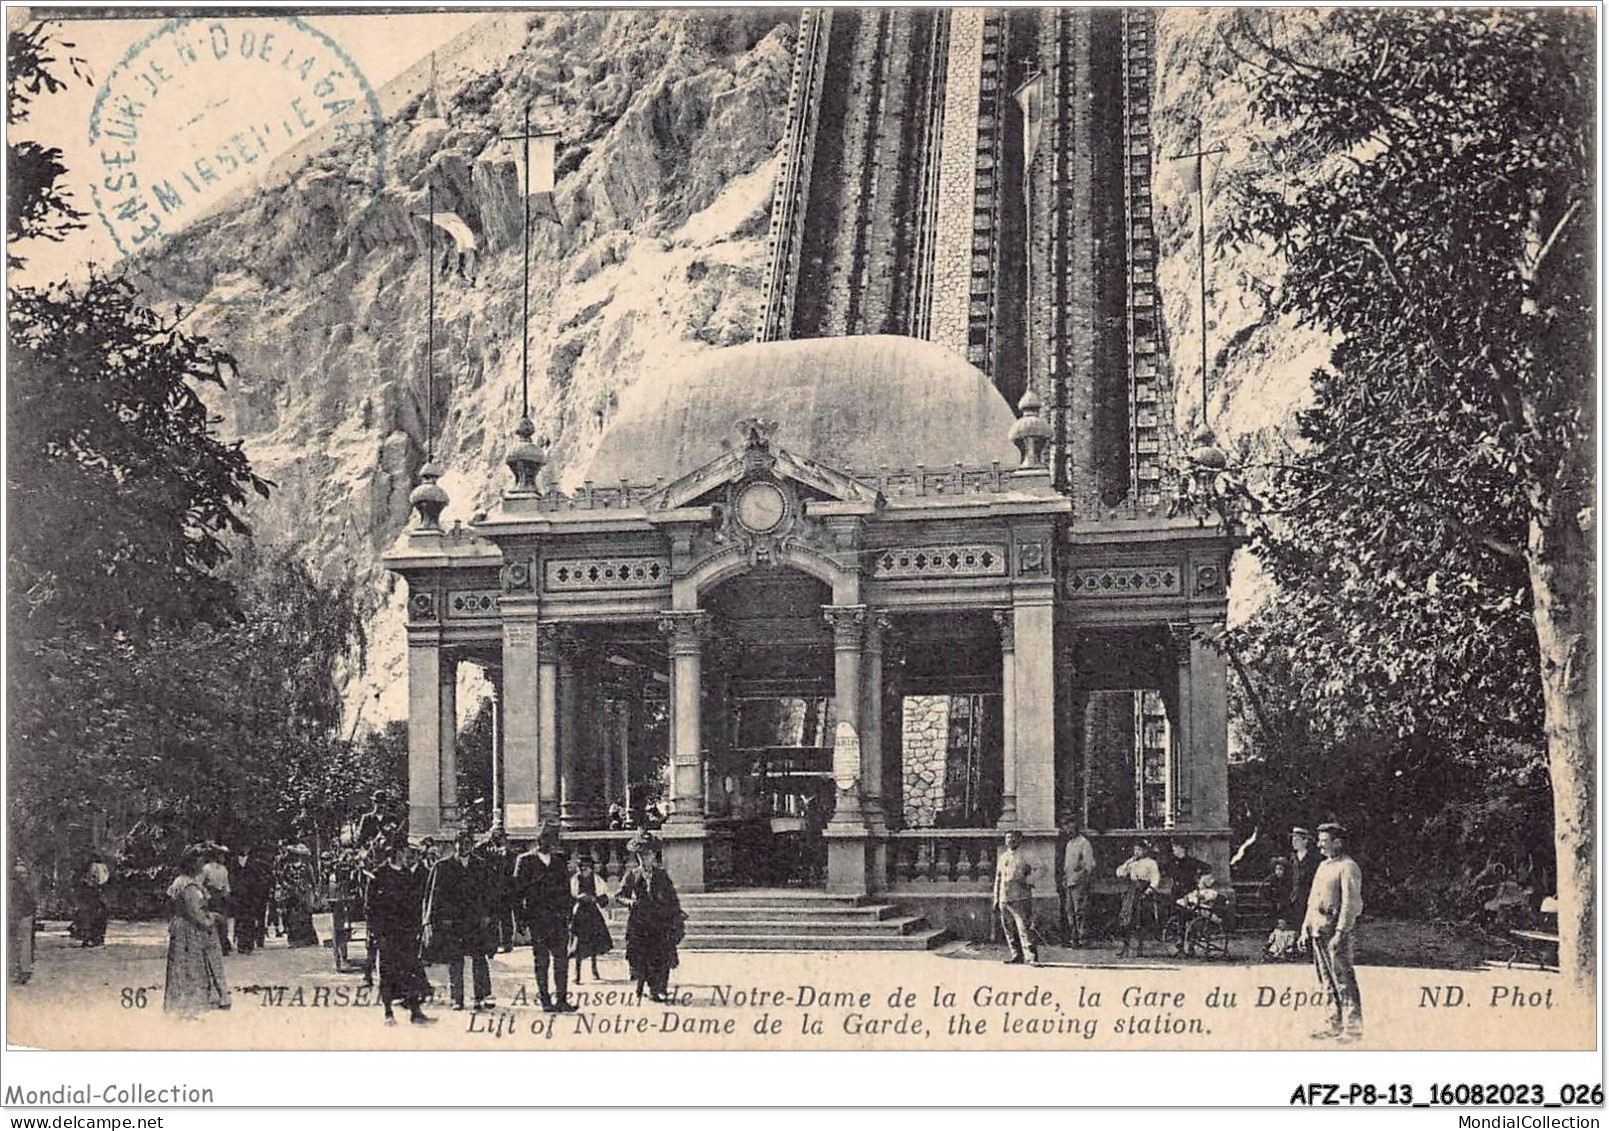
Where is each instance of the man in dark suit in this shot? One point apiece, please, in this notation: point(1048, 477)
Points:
point(500, 875)
point(394, 908)
point(460, 921)
point(542, 893)
point(1304, 866)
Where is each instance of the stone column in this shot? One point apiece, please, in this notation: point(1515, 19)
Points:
point(684, 831)
point(1006, 621)
point(495, 697)
point(547, 744)
point(636, 735)
point(1181, 749)
point(447, 718)
point(685, 629)
point(848, 765)
point(1209, 736)
point(521, 724)
point(872, 761)
point(608, 749)
point(572, 805)
point(848, 863)
point(424, 733)
point(1034, 708)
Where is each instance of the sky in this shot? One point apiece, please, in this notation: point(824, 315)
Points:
point(243, 94)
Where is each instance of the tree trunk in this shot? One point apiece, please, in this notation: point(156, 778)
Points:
point(1562, 565)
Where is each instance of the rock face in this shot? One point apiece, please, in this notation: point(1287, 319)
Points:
point(1259, 365)
point(669, 124)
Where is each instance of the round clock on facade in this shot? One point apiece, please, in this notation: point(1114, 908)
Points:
point(761, 507)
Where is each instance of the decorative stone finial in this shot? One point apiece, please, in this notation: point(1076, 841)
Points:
point(429, 499)
point(526, 459)
point(1031, 433)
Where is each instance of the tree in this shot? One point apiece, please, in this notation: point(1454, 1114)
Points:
point(121, 496)
point(229, 732)
point(36, 205)
point(1431, 200)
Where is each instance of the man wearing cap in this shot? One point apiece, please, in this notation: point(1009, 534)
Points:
point(460, 921)
point(1329, 928)
point(542, 893)
point(1304, 864)
point(1014, 901)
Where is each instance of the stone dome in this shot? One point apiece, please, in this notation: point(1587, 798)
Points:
point(857, 402)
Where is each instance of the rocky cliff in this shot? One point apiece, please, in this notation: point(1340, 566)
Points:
point(669, 124)
point(1259, 365)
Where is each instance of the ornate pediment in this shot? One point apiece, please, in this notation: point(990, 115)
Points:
point(753, 455)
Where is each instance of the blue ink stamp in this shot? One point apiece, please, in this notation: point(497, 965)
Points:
point(200, 109)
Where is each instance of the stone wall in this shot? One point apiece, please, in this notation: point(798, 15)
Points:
point(924, 757)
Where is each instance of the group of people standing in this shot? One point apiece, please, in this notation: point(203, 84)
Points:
point(1320, 889)
point(423, 910)
point(560, 907)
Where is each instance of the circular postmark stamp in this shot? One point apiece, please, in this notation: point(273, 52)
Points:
point(200, 110)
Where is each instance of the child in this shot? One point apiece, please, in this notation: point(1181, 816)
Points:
point(589, 933)
point(1281, 940)
point(1205, 906)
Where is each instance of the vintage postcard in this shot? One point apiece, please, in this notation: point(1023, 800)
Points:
point(828, 529)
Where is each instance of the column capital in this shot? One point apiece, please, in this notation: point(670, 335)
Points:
point(1005, 620)
point(1181, 636)
point(879, 627)
point(685, 628)
point(848, 625)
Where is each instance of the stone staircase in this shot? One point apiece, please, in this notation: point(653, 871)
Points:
point(788, 919)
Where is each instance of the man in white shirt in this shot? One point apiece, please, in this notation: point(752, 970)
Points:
point(1014, 901)
point(1330, 929)
point(1078, 871)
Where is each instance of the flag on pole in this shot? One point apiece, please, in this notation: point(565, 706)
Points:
point(544, 150)
point(1189, 172)
point(454, 226)
point(1031, 97)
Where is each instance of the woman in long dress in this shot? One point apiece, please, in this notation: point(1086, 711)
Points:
point(195, 978)
point(654, 926)
point(295, 892)
point(589, 934)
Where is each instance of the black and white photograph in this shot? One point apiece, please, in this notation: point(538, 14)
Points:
point(845, 529)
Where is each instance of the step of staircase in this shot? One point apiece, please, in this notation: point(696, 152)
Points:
point(895, 925)
point(922, 940)
point(871, 912)
point(790, 919)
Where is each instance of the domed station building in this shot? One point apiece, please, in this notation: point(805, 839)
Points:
point(849, 602)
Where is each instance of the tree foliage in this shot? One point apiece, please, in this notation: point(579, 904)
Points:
point(36, 205)
point(1430, 196)
point(121, 495)
point(230, 732)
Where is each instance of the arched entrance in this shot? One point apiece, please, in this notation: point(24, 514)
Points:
point(769, 716)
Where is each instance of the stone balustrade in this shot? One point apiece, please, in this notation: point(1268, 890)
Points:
point(957, 858)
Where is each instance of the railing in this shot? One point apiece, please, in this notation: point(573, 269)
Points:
point(956, 857)
point(607, 847)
